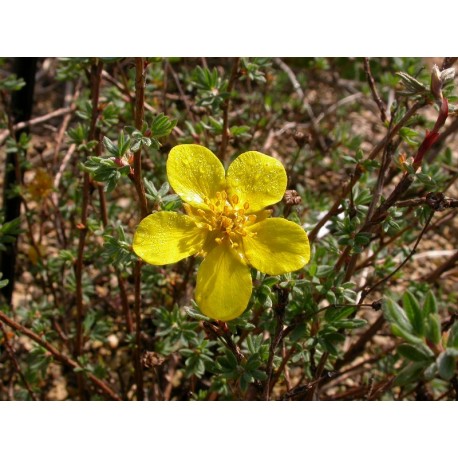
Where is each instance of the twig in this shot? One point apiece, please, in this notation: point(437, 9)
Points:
point(10, 351)
point(366, 292)
point(184, 99)
point(358, 171)
point(225, 135)
point(221, 332)
point(65, 122)
point(139, 114)
point(138, 331)
point(279, 311)
point(96, 70)
point(358, 347)
point(375, 96)
point(33, 122)
point(448, 62)
point(348, 99)
point(447, 265)
point(432, 200)
point(297, 87)
point(61, 170)
point(58, 355)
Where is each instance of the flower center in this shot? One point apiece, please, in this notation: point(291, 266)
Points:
point(226, 218)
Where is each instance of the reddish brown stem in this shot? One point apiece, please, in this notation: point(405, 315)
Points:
point(10, 352)
point(375, 96)
point(96, 71)
point(139, 114)
point(225, 136)
point(108, 391)
point(358, 172)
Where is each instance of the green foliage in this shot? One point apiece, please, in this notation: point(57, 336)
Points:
point(306, 330)
point(430, 352)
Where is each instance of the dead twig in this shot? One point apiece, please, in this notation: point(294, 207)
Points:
point(108, 391)
point(35, 121)
point(230, 86)
point(375, 96)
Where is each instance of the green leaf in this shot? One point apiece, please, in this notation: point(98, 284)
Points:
point(110, 146)
point(396, 314)
point(401, 332)
point(323, 271)
point(414, 353)
point(338, 313)
point(446, 365)
point(433, 328)
point(430, 305)
point(162, 126)
point(452, 341)
point(349, 324)
point(413, 311)
point(431, 371)
point(409, 374)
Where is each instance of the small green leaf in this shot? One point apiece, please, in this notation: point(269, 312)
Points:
point(412, 309)
point(433, 328)
point(338, 313)
point(452, 341)
point(110, 146)
point(430, 305)
point(414, 353)
point(401, 332)
point(396, 314)
point(349, 324)
point(446, 365)
point(409, 373)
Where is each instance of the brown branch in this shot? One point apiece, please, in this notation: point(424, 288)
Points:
point(375, 96)
point(184, 99)
point(299, 91)
point(435, 200)
point(95, 77)
point(366, 291)
point(447, 265)
point(35, 121)
point(138, 331)
point(279, 311)
point(107, 390)
point(448, 62)
point(139, 115)
point(358, 347)
point(10, 352)
point(358, 171)
point(225, 136)
point(66, 122)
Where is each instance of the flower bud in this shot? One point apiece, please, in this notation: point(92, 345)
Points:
point(436, 83)
point(292, 197)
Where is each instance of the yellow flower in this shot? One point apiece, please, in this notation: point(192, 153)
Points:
point(226, 223)
point(41, 186)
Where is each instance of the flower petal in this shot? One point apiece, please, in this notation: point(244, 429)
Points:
point(223, 284)
point(195, 173)
point(279, 246)
point(257, 179)
point(166, 237)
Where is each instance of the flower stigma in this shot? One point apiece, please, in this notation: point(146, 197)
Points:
point(225, 219)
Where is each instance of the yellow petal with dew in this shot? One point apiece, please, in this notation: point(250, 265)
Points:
point(195, 174)
point(223, 284)
point(257, 179)
point(166, 237)
point(277, 246)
